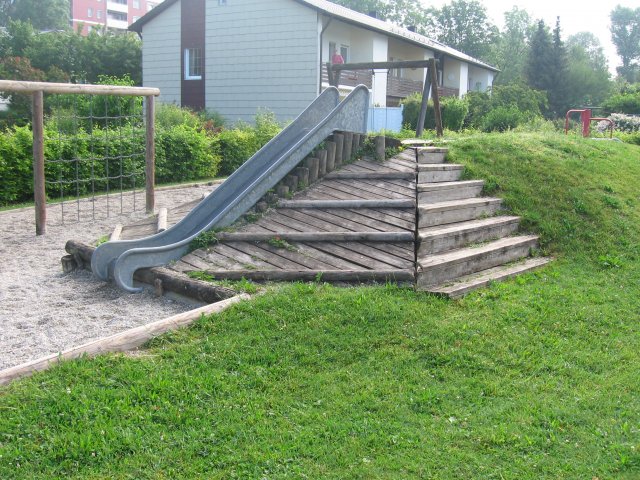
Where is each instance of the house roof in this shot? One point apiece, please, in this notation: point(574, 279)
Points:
point(356, 18)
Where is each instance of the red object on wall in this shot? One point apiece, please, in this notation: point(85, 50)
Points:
point(117, 14)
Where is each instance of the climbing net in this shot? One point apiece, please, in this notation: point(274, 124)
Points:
point(95, 147)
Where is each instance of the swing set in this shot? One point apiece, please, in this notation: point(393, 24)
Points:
point(430, 85)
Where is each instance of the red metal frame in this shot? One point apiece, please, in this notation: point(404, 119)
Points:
point(586, 118)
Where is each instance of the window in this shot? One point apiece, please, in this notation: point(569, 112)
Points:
point(119, 16)
point(98, 13)
point(344, 51)
point(193, 64)
point(136, 3)
point(89, 12)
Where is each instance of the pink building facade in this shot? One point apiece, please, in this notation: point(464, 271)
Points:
point(118, 14)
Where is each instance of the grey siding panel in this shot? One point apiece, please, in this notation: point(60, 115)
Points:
point(161, 61)
point(261, 54)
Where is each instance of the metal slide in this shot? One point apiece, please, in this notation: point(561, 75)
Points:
point(120, 259)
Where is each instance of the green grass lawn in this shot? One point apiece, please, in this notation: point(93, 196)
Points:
point(538, 377)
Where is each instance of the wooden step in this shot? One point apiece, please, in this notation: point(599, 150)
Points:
point(445, 172)
point(408, 203)
point(442, 213)
point(389, 175)
point(314, 237)
point(445, 267)
point(447, 191)
point(431, 154)
point(480, 279)
point(439, 239)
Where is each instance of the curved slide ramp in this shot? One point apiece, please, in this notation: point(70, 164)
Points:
point(120, 259)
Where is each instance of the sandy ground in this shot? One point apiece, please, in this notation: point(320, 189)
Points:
point(44, 311)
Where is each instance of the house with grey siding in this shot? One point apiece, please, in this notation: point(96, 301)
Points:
point(238, 56)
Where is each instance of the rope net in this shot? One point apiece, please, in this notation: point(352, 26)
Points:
point(95, 150)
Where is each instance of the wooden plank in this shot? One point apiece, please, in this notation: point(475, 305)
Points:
point(372, 190)
point(405, 251)
point(338, 263)
point(196, 261)
point(83, 89)
point(406, 191)
point(239, 256)
point(277, 260)
point(395, 222)
point(364, 220)
point(331, 217)
point(312, 237)
point(117, 232)
point(288, 224)
point(382, 175)
point(379, 254)
point(340, 193)
point(217, 260)
point(162, 220)
point(359, 258)
point(354, 187)
point(296, 256)
point(120, 342)
point(409, 203)
point(181, 267)
point(315, 222)
point(404, 213)
point(347, 276)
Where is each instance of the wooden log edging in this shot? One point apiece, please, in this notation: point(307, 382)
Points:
point(162, 279)
point(310, 237)
point(346, 276)
point(120, 342)
point(409, 203)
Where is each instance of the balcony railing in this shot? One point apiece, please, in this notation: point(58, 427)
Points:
point(397, 88)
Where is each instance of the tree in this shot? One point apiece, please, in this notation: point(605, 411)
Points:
point(540, 60)
point(42, 14)
point(401, 12)
point(625, 34)
point(558, 92)
point(588, 73)
point(512, 47)
point(463, 25)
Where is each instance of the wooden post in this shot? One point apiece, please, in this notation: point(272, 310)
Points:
point(150, 158)
point(380, 148)
point(423, 106)
point(348, 147)
point(322, 163)
point(436, 96)
point(338, 138)
point(39, 192)
point(331, 155)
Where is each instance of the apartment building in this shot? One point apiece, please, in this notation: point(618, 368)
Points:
point(118, 14)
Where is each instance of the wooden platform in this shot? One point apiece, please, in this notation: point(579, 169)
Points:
point(356, 224)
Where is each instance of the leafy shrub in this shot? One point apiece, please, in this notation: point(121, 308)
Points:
point(530, 103)
point(454, 111)
point(185, 153)
point(169, 116)
point(623, 103)
point(239, 144)
point(624, 123)
point(16, 171)
point(501, 119)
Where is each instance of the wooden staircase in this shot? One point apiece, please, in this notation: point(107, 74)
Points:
point(464, 241)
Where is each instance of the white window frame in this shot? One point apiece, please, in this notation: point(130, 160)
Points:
point(187, 64)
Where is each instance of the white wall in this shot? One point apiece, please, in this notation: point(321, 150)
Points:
point(480, 79)
point(161, 62)
point(399, 50)
point(260, 54)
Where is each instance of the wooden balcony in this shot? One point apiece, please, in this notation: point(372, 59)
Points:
point(397, 88)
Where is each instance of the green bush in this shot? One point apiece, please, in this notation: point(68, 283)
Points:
point(185, 153)
point(239, 144)
point(169, 116)
point(501, 119)
point(16, 170)
point(454, 111)
point(623, 103)
point(530, 103)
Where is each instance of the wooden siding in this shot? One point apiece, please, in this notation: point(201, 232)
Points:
point(161, 58)
point(261, 55)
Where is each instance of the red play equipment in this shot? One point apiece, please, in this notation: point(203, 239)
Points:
point(585, 116)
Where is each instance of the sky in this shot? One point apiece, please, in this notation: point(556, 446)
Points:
point(575, 16)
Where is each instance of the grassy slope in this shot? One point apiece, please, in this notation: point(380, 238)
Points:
point(533, 378)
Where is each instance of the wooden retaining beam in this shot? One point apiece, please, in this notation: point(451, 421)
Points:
point(310, 237)
point(372, 175)
point(409, 203)
point(347, 276)
point(162, 279)
point(120, 342)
